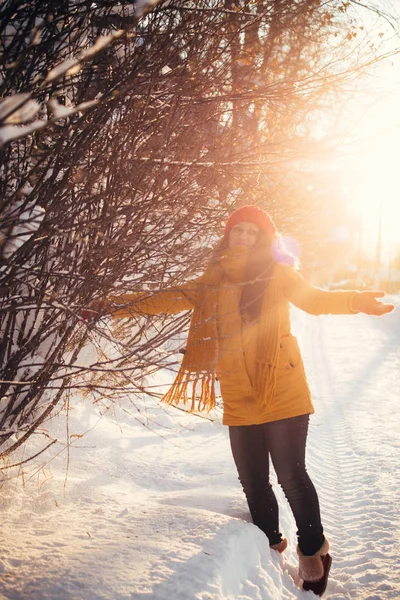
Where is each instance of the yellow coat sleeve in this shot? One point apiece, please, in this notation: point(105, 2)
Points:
point(311, 299)
point(168, 302)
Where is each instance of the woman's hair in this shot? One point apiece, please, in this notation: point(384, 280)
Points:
point(258, 270)
point(257, 275)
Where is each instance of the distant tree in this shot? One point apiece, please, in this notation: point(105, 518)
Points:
point(129, 131)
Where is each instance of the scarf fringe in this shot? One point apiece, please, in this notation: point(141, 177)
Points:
point(179, 391)
point(265, 384)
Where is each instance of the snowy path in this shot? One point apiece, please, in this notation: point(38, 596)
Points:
point(357, 394)
point(155, 512)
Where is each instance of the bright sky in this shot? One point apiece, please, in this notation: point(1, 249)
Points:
point(374, 157)
point(375, 166)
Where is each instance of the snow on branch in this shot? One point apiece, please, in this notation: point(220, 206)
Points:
point(19, 108)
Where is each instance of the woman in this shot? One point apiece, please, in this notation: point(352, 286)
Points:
point(240, 333)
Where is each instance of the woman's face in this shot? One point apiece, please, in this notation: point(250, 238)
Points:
point(243, 234)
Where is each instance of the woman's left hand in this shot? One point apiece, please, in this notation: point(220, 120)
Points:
point(94, 310)
point(366, 302)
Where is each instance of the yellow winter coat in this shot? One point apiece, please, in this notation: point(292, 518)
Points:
point(237, 341)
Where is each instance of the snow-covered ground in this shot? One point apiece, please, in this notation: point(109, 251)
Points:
point(152, 508)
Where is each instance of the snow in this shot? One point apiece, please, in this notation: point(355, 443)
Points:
point(71, 66)
point(102, 42)
point(11, 103)
point(18, 108)
point(67, 66)
point(14, 132)
point(144, 6)
point(152, 508)
point(60, 111)
point(9, 133)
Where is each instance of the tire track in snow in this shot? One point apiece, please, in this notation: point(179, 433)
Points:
point(358, 508)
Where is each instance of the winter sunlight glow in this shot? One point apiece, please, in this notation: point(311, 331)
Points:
point(374, 191)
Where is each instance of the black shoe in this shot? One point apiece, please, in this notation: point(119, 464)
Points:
point(319, 587)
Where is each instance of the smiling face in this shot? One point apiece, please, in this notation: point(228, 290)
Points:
point(243, 234)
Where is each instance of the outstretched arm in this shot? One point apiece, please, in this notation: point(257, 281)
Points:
point(316, 301)
point(169, 301)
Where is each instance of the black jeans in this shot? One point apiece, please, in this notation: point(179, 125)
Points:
point(285, 442)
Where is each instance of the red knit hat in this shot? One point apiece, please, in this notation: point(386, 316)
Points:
point(251, 214)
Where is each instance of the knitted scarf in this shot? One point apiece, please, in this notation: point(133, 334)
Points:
point(195, 380)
